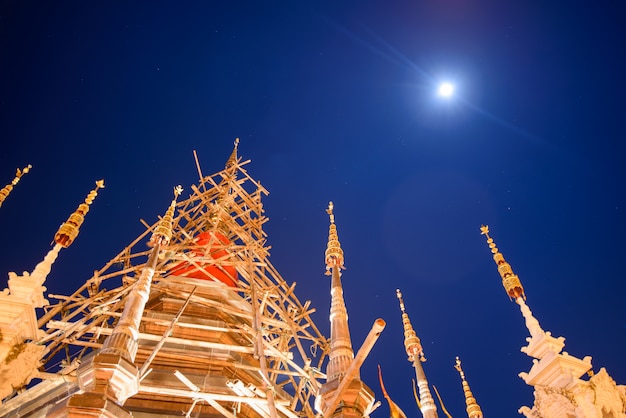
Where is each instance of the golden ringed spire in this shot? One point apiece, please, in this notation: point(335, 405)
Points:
point(473, 409)
point(67, 232)
point(334, 253)
point(510, 281)
point(163, 232)
point(4, 192)
point(412, 343)
point(232, 160)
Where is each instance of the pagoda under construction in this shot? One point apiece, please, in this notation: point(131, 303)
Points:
point(192, 319)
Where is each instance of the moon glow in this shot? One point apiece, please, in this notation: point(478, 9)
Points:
point(445, 89)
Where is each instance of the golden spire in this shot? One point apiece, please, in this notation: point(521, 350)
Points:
point(334, 253)
point(510, 281)
point(117, 356)
point(416, 357)
point(232, 160)
point(69, 230)
point(343, 394)
point(411, 340)
point(7, 189)
point(473, 409)
point(163, 232)
point(540, 341)
point(341, 353)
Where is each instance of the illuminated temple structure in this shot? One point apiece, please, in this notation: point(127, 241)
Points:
point(192, 319)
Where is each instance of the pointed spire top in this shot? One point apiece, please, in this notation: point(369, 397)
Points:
point(67, 233)
point(412, 342)
point(510, 281)
point(330, 213)
point(334, 253)
point(4, 192)
point(232, 160)
point(163, 232)
point(473, 409)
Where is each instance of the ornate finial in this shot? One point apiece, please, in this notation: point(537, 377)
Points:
point(163, 232)
point(330, 213)
point(510, 281)
point(457, 366)
point(7, 189)
point(412, 342)
point(473, 409)
point(334, 253)
point(232, 160)
point(67, 233)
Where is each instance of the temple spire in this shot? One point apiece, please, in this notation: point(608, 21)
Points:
point(473, 409)
point(514, 289)
point(553, 370)
point(4, 192)
point(510, 281)
point(30, 286)
point(344, 394)
point(67, 233)
point(334, 253)
point(224, 201)
point(163, 232)
point(26, 293)
point(341, 352)
point(415, 352)
point(112, 376)
point(128, 325)
point(232, 160)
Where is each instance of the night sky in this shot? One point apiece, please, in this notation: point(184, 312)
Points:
point(336, 100)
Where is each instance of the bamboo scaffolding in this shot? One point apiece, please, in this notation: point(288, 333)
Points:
point(249, 332)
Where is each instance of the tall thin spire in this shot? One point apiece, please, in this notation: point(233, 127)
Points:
point(552, 369)
point(32, 284)
point(25, 294)
point(232, 160)
point(223, 201)
point(344, 394)
point(473, 409)
point(69, 230)
point(415, 352)
point(510, 281)
point(112, 376)
point(334, 253)
point(4, 192)
point(514, 289)
point(341, 352)
point(124, 337)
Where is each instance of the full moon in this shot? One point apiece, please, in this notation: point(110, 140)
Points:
point(445, 90)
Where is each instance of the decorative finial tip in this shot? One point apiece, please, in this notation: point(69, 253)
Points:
point(399, 296)
point(236, 142)
point(100, 184)
point(177, 191)
point(484, 230)
point(329, 211)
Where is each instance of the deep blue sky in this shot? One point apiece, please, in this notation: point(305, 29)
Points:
point(336, 102)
